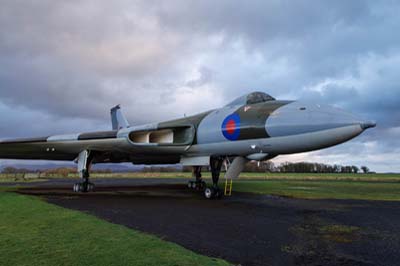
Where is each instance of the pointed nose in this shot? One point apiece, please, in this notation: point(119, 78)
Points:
point(298, 118)
point(368, 124)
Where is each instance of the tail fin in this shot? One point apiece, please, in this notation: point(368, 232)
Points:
point(118, 119)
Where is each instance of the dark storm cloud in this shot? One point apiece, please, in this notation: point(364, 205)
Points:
point(66, 63)
point(261, 21)
point(80, 58)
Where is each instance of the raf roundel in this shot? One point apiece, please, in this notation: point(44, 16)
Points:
point(231, 127)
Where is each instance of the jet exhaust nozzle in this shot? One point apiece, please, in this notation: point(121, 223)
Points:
point(368, 124)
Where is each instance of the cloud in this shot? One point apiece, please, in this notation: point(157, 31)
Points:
point(67, 63)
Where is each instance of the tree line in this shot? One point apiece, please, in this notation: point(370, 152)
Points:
point(304, 167)
point(61, 171)
point(267, 166)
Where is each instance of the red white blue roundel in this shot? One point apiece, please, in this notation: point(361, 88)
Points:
point(231, 127)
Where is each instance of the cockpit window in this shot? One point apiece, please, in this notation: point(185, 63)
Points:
point(258, 97)
point(252, 98)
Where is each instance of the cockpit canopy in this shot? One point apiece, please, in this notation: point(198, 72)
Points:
point(252, 98)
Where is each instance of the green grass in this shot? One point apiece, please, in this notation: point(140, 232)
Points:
point(12, 180)
point(260, 176)
point(319, 176)
point(34, 232)
point(300, 185)
point(264, 176)
point(322, 189)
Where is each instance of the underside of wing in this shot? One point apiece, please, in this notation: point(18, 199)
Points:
point(63, 147)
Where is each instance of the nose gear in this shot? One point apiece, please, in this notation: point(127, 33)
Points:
point(215, 167)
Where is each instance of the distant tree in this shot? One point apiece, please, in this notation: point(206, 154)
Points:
point(253, 167)
point(61, 171)
point(156, 169)
point(187, 169)
point(9, 170)
point(365, 169)
point(13, 170)
point(346, 169)
point(337, 168)
point(103, 171)
point(269, 166)
point(355, 169)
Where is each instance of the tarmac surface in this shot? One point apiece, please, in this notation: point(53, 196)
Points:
point(245, 229)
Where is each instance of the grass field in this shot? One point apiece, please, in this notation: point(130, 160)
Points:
point(299, 185)
point(312, 189)
point(34, 232)
point(259, 176)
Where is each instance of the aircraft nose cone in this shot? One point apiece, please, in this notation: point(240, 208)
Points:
point(368, 124)
point(299, 117)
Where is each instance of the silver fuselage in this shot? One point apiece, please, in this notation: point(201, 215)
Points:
point(256, 131)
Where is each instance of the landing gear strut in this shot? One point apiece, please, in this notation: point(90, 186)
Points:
point(84, 164)
point(85, 185)
point(214, 191)
point(198, 184)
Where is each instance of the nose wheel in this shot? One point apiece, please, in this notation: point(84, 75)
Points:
point(214, 192)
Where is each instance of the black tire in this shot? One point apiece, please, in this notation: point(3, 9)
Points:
point(78, 187)
point(90, 187)
point(219, 194)
point(209, 193)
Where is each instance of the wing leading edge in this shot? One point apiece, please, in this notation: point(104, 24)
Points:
point(61, 147)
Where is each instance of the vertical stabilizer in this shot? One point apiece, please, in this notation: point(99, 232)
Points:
point(118, 119)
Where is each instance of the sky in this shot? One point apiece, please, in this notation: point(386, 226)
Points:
point(64, 64)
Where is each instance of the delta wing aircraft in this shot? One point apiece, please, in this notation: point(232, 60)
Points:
point(254, 127)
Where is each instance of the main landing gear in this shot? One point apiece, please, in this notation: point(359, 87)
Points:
point(85, 185)
point(213, 192)
point(198, 184)
point(84, 164)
